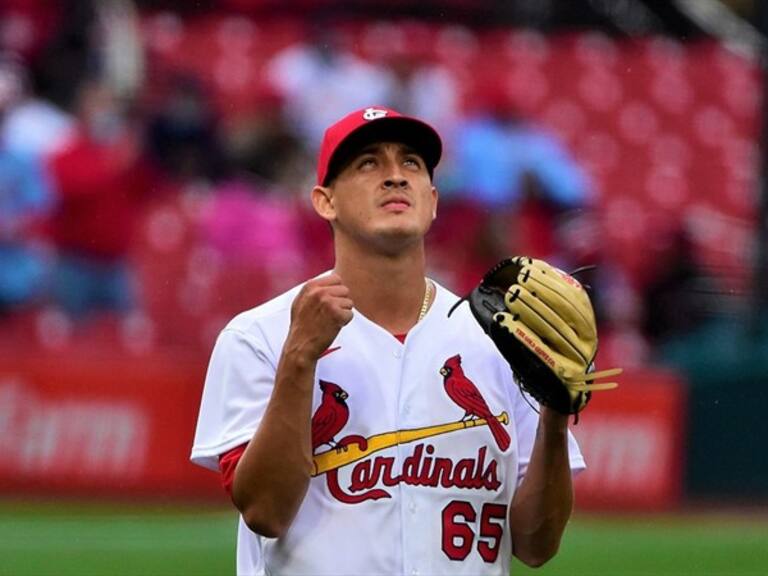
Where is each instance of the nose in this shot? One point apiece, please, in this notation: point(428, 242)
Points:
point(395, 182)
point(396, 177)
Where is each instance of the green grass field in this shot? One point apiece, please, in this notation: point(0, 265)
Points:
point(95, 539)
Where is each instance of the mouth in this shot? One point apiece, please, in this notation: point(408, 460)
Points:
point(396, 203)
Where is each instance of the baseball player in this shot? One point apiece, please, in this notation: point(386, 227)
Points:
point(357, 427)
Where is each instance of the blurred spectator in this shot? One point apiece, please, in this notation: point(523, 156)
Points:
point(182, 138)
point(533, 221)
point(262, 144)
point(616, 301)
point(618, 309)
point(320, 80)
point(101, 184)
point(26, 26)
point(119, 46)
point(25, 197)
point(253, 232)
point(70, 57)
point(521, 174)
point(32, 125)
point(425, 90)
point(252, 227)
point(252, 217)
point(500, 158)
point(678, 298)
point(464, 242)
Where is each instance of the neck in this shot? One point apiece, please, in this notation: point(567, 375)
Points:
point(387, 289)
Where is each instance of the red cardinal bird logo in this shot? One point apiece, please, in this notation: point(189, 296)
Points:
point(463, 391)
point(331, 416)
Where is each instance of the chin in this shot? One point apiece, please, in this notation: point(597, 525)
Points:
point(397, 238)
point(404, 227)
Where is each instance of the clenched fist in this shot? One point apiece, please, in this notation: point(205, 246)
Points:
point(318, 313)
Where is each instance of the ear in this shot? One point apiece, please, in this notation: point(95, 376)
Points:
point(435, 198)
point(322, 201)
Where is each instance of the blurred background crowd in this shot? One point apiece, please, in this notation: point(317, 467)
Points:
point(156, 159)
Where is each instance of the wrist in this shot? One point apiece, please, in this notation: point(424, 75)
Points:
point(553, 420)
point(300, 351)
point(298, 359)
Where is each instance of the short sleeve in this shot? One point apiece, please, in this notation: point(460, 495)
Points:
point(527, 420)
point(238, 385)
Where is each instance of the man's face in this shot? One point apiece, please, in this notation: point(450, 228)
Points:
point(382, 197)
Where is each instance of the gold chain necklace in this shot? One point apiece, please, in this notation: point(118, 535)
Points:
point(425, 303)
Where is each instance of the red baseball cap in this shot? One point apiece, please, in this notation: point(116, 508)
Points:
point(375, 124)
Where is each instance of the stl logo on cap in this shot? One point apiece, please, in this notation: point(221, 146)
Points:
point(374, 113)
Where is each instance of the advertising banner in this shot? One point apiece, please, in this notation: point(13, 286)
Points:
point(122, 426)
point(116, 425)
point(633, 441)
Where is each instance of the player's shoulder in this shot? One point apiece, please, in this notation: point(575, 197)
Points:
point(451, 320)
point(266, 317)
point(264, 313)
point(461, 318)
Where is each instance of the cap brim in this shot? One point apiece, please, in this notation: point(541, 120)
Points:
point(412, 132)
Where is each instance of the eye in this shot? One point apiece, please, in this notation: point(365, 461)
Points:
point(413, 162)
point(366, 162)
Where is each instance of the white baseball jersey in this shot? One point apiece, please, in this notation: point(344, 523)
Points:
point(412, 476)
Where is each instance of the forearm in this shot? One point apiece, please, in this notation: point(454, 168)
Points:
point(272, 476)
point(543, 502)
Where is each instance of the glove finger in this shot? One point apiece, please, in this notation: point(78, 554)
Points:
point(589, 376)
point(560, 364)
point(553, 283)
point(548, 325)
point(562, 293)
point(597, 387)
point(559, 313)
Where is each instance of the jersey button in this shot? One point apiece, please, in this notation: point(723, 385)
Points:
point(398, 353)
point(412, 507)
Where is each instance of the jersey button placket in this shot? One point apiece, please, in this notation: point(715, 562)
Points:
point(414, 522)
point(407, 504)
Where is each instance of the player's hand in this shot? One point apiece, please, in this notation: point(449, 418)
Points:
point(321, 309)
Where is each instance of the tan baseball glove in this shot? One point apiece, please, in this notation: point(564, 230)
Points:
point(542, 322)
